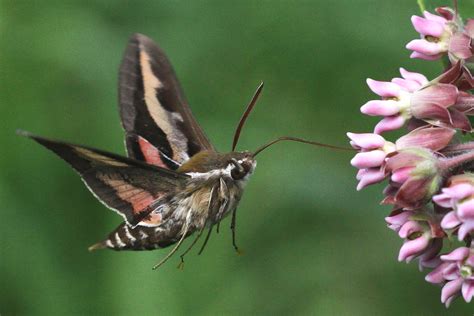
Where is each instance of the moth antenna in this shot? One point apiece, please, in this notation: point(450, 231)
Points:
point(245, 115)
point(300, 140)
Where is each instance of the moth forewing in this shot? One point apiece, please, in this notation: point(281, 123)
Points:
point(153, 106)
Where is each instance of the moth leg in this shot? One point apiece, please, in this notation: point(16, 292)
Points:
point(181, 264)
point(232, 228)
point(224, 192)
point(185, 232)
point(213, 211)
point(206, 240)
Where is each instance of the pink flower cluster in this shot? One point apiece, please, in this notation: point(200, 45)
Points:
point(429, 170)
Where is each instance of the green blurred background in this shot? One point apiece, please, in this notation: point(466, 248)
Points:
point(313, 245)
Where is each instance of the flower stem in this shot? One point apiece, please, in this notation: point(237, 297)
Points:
point(456, 161)
point(421, 5)
point(465, 103)
point(459, 147)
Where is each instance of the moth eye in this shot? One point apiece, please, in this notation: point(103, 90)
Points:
point(237, 171)
point(240, 170)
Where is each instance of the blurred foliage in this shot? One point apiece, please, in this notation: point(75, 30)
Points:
point(313, 245)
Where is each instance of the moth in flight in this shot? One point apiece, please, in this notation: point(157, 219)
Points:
point(173, 183)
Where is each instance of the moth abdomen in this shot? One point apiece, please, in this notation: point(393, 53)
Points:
point(124, 237)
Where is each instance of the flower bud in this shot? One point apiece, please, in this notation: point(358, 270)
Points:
point(418, 170)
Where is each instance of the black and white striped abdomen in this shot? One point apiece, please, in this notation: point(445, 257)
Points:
point(125, 237)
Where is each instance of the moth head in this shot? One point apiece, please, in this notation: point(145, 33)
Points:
point(237, 165)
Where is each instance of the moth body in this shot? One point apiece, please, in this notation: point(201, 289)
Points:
point(208, 196)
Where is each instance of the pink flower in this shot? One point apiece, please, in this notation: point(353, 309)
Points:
point(417, 240)
point(422, 238)
point(469, 28)
point(456, 270)
point(435, 32)
point(430, 258)
point(374, 150)
point(417, 172)
point(420, 242)
point(418, 163)
point(459, 196)
point(410, 97)
point(440, 35)
point(398, 218)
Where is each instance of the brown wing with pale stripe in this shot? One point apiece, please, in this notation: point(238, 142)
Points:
point(132, 188)
point(160, 128)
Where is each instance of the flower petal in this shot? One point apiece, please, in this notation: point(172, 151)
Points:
point(381, 108)
point(459, 191)
point(370, 176)
point(383, 88)
point(411, 248)
point(434, 17)
point(451, 271)
point(401, 175)
point(361, 173)
point(419, 55)
point(450, 300)
point(465, 229)
point(408, 85)
point(427, 27)
point(406, 158)
point(421, 79)
point(430, 259)
point(425, 47)
point(414, 192)
point(466, 210)
point(409, 228)
point(440, 94)
point(468, 290)
point(450, 75)
point(398, 219)
point(367, 140)
point(451, 289)
point(434, 138)
point(470, 260)
point(450, 220)
point(389, 123)
point(368, 159)
point(469, 27)
point(460, 46)
point(436, 276)
point(443, 200)
point(456, 255)
point(460, 120)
